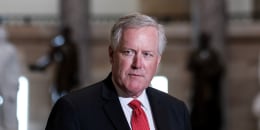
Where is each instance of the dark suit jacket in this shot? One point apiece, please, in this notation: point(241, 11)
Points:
point(97, 107)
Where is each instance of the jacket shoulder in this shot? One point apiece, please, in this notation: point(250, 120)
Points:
point(163, 97)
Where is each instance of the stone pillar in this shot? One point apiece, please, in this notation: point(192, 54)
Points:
point(210, 16)
point(195, 20)
point(75, 14)
point(256, 9)
point(213, 20)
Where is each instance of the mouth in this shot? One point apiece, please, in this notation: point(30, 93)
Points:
point(135, 75)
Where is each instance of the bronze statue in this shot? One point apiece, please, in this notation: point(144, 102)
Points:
point(207, 70)
point(63, 52)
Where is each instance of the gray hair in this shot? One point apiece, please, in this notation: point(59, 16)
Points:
point(136, 21)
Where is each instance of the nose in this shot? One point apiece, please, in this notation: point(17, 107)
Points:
point(137, 62)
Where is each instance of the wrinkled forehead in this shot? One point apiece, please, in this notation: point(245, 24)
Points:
point(140, 36)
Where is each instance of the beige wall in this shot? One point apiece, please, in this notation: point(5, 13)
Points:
point(51, 7)
point(29, 7)
point(240, 88)
point(112, 7)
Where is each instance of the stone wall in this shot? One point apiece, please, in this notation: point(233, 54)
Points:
point(240, 87)
point(166, 9)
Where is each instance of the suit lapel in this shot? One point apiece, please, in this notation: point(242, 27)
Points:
point(112, 106)
point(160, 113)
point(115, 113)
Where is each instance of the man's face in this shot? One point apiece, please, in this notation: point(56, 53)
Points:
point(135, 60)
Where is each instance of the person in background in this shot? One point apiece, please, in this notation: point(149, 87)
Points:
point(124, 100)
point(207, 71)
point(9, 82)
point(63, 52)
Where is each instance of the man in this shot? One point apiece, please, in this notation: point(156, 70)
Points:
point(137, 43)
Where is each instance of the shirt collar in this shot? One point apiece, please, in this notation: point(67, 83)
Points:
point(142, 98)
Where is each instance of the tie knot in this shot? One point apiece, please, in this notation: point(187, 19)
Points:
point(135, 104)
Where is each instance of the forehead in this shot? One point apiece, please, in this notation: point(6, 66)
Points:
point(141, 34)
point(141, 39)
point(141, 28)
point(147, 36)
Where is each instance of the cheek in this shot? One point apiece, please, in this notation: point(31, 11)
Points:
point(121, 64)
point(152, 67)
point(153, 64)
point(124, 64)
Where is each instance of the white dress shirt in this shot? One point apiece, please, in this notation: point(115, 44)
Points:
point(124, 101)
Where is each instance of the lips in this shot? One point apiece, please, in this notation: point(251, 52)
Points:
point(135, 74)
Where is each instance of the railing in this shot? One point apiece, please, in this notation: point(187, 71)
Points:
point(52, 19)
point(29, 19)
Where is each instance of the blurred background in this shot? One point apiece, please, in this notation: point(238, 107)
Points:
point(233, 25)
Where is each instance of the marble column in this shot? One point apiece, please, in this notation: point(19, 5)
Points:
point(256, 10)
point(75, 14)
point(211, 16)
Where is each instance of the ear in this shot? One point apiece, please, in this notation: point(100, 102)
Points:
point(159, 60)
point(111, 53)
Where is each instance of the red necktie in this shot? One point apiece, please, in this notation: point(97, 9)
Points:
point(138, 119)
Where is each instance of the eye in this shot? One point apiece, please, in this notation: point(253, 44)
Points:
point(128, 52)
point(148, 54)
